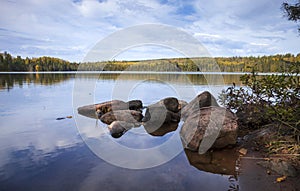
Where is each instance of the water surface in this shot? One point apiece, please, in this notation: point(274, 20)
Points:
point(38, 152)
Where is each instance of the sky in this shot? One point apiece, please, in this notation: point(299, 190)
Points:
point(69, 29)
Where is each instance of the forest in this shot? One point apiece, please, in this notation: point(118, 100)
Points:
point(271, 63)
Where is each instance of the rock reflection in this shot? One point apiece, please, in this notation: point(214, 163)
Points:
point(161, 131)
point(218, 162)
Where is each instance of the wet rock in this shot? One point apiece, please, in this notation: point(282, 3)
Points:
point(135, 105)
point(129, 116)
point(162, 130)
point(157, 115)
point(217, 162)
point(181, 104)
point(280, 167)
point(118, 128)
point(97, 110)
point(88, 111)
point(171, 104)
point(216, 125)
point(204, 99)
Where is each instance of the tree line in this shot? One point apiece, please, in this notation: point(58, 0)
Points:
point(18, 64)
point(273, 63)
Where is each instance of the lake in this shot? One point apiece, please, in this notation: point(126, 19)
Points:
point(39, 152)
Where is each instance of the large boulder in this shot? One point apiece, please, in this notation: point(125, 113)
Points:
point(216, 127)
point(129, 116)
point(204, 99)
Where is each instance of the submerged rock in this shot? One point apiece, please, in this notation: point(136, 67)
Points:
point(204, 99)
point(214, 125)
point(129, 116)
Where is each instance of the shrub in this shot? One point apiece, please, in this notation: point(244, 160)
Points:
point(266, 99)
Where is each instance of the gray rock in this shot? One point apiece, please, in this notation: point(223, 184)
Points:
point(129, 116)
point(216, 126)
point(204, 99)
point(157, 115)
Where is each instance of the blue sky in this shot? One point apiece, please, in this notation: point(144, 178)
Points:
point(68, 29)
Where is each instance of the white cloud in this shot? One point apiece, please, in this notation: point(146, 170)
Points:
point(68, 29)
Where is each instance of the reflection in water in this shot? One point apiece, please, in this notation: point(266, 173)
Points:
point(38, 152)
point(217, 162)
point(8, 81)
point(161, 131)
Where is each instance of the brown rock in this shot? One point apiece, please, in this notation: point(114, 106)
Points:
point(171, 104)
point(204, 99)
point(216, 127)
point(130, 116)
point(135, 105)
point(97, 110)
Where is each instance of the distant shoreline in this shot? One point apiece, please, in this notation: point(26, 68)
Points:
point(141, 72)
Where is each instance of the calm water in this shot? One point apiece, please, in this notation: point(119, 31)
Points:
point(38, 152)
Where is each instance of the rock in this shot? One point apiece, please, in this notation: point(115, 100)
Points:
point(157, 115)
point(204, 99)
point(171, 104)
point(135, 105)
point(164, 129)
point(182, 104)
point(118, 128)
point(280, 167)
point(216, 127)
point(130, 116)
point(88, 111)
point(217, 162)
point(97, 110)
